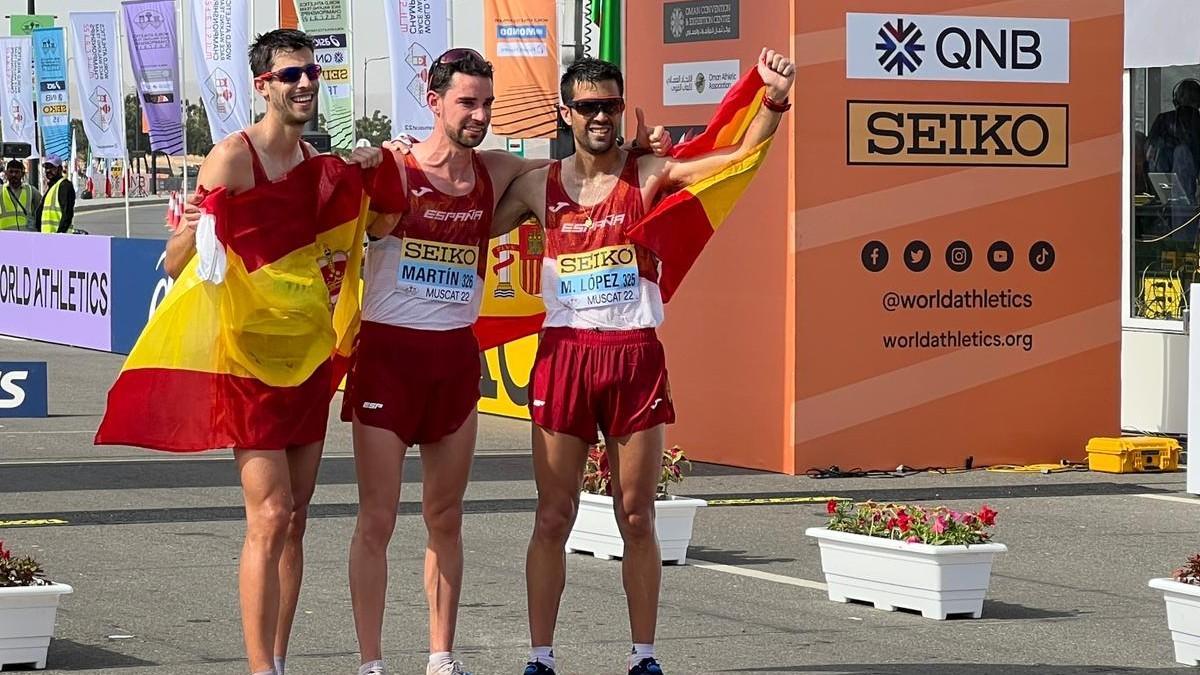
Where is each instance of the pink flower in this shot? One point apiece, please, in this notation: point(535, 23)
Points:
point(964, 518)
point(902, 520)
point(939, 525)
point(913, 539)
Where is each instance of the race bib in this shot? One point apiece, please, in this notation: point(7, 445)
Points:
point(606, 276)
point(439, 271)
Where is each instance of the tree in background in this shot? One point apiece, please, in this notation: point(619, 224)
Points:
point(81, 139)
point(137, 142)
point(199, 138)
point(377, 128)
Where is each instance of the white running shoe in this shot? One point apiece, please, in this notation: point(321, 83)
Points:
point(373, 668)
point(452, 668)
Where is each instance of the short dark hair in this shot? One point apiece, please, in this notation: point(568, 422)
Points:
point(592, 71)
point(268, 45)
point(470, 63)
point(14, 164)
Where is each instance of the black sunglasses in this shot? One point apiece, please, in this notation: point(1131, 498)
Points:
point(455, 55)
point(291, 74)
point(592, 107)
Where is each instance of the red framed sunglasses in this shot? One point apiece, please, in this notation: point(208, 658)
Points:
point(291, 74)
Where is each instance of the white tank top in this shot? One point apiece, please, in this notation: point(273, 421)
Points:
point(428, 272)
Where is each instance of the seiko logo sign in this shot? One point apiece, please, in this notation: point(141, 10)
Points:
point(968, 48)
point(933, 133)
point(23, 389)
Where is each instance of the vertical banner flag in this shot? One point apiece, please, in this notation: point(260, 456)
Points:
point(220, 33)
point(150, 32)
point(327, 23)
point(50, 69)
point(520, 39)
point(16, 91)
point(98, 81)
point(602, 37)
point(418, 32)
point(22, 25)
point(287, 14)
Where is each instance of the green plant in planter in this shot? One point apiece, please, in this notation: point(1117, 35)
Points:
point(939, 525)
point(16, 571)
point(597, 475)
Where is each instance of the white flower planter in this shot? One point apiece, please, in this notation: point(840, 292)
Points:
point(596, 532)
point(27, 622)
point(934, 580)
point(1183, 618)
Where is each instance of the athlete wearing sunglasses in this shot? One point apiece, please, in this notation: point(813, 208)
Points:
point(600, 329)
point(277, 483)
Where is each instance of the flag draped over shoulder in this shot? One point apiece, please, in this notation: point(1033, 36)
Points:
point(680, 225)
point(262, 328)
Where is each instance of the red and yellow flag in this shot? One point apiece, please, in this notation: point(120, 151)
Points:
point(680, 225)
point(240, 361)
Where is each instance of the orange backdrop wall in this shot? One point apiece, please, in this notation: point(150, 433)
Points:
point(992, 332)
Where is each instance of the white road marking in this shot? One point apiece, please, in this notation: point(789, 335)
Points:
point(1172, 498)
point(755, 574)
point(12, 339)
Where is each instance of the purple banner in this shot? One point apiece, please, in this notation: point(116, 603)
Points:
point(154, 55)
point(56, 288)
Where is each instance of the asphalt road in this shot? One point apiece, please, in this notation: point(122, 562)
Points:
point(151, 543)
point(145, 221)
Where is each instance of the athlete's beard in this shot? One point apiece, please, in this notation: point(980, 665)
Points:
point(584, 140)
point(461, 137)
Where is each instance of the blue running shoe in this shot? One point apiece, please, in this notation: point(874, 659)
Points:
point(646, 667)
point(539, 668)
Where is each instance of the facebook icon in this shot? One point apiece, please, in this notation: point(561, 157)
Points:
point(23, 389)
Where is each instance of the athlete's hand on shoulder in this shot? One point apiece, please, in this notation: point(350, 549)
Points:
point(778, 72)
point(657, 138)
point(191, 213)
point(366, 157)
point(401, 144)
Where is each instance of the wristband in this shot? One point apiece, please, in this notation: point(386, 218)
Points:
point(775, 106)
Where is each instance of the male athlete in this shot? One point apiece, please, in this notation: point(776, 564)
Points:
point(415, 379)
point(277, 483)
point(600, 364)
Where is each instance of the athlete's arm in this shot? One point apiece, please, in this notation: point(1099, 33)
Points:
point(520, 201)
point(227, 165)
point(778, 73)
point(383, 223)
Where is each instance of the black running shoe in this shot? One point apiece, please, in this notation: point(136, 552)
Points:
point(539, 668)
point(646, 667)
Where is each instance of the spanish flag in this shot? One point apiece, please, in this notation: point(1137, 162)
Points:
point(680, 225)
point(248, 346)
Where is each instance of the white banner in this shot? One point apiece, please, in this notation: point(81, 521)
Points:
point(418, 31)
point(219, 35)
point(98, 79)
point(16, 91)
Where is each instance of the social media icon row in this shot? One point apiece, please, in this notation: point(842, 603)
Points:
point(959, 256)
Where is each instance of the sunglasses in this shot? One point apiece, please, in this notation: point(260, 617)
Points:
point(455, 55)
point(592, 107)
point(291, 74)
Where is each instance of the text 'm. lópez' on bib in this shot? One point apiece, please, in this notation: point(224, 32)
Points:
point(605, 276)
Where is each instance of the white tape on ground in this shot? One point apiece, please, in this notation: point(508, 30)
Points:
point(755, 574)
point(1172, 498)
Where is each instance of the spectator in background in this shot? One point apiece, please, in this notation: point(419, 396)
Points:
point(58, 208)
point(1173, 145)
point(19, 201)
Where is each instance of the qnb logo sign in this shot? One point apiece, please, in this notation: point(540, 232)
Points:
point(23, 389)
point(965, 48)
point(900, 46)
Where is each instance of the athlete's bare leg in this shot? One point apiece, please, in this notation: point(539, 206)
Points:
point(558, 462)
point(303, 463)
point(267, 493)
point(378, 462)
point(446, 466)
point(636, 462)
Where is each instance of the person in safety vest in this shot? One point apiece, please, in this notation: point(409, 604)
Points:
point(19, 201)
point(58, 208)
